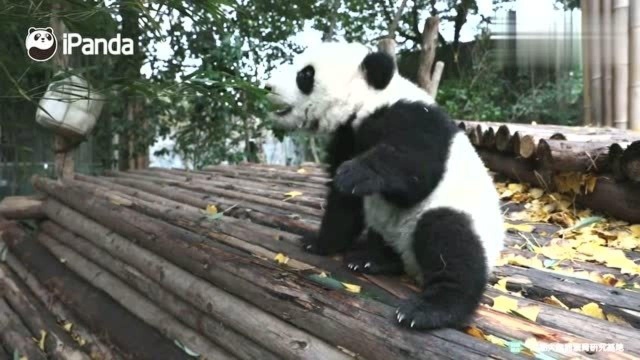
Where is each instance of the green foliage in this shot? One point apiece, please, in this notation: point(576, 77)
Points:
point(493, 93)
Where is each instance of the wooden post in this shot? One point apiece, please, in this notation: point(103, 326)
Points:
point(62, 146)
point(388, 44)
point(607, 70)
point(620, 63)
point(595, 52)
point(586, 66)
point(634, 63)
point(428, 53)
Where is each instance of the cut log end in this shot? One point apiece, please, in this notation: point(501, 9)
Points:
point(527, 147)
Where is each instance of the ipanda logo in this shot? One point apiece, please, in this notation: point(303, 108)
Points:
point(41, 44)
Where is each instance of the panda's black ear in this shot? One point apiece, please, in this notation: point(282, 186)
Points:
point(378, 69)
point(49, 30)
point(31, 29)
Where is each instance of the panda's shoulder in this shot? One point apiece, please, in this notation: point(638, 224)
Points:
point(411, 117)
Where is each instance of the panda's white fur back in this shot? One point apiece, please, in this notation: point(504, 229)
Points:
point(466, 186)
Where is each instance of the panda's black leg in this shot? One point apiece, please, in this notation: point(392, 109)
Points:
point(376, 258)
point(451, 258)
point(342, 223)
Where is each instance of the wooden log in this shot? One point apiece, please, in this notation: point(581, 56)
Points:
point(265, 286)
point(225, 337)
point(57, 344)
point(232, 233)
point(528, 145)
point(133, 301)
point(282, 339)
point(93, 345)
point(577, 292)
point(90, 342)
point(488, 139)
point(21, 207)
point(630, 162)
point(257, 213)
point(251, 181)
point(15, 336)
point(234, 172)
point(588, 327)
point(620, 200)
point(94, 307)
point(204, 188)
point(516, 169)
point(503, 138)
point(566, 156)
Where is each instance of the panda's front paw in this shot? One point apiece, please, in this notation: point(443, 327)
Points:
point(356, 178)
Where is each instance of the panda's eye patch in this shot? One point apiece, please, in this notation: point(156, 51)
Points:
point(48, 37)
point(304, 79)
point(37, 37)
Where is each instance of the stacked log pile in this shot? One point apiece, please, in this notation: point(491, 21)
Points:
point(164, 264)
point(543, 155)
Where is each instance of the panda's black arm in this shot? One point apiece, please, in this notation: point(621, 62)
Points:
point(402, 172)
point(342, 222)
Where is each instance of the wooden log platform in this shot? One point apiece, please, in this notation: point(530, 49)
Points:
point(168, 263)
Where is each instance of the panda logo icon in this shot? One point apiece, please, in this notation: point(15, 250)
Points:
point(41, 43)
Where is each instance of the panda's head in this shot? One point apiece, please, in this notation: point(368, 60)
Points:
point(331, 82)
point(41, 43)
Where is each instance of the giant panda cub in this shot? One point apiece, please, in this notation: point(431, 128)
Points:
point(400, 169)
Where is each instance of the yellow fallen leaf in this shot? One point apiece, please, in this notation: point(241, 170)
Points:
point(520, 260)
point(211, 209)
point(635, 230)
point(496, 340)
point(475, 332)
point(504, 304)
point(67, 326)
point(301, 171)
point(519, 227)
point(352, 288)
point(516, 188)
point(556, 252)
point(501, 285)
point(280, 258)
point(593, 310)
point(617, 319)
point(590, 184)
point(43, 336)
point(554, 301)
point(292, 194)
point(536, 193)
point(529, 312)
